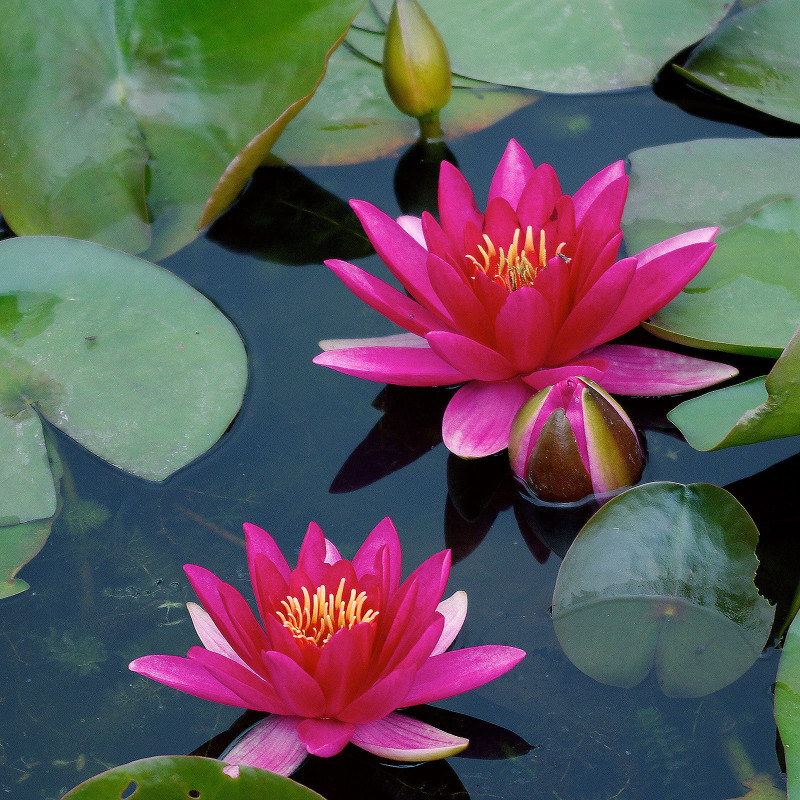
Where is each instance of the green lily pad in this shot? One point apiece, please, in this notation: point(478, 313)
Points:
point(747, 298)
point(179, 777)
point(661, 578)
point(118, 353)
point(753, 58)
point(346, 125)
point(556, 45)
point(18, 545)
point(787, 706)
point(754, 411)
point(120, 121)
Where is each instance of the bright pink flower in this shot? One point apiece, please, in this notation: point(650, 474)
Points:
point(341, 646)
point(518, 298)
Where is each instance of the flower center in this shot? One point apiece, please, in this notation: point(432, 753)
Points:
point(316, 618)
point(516, 267)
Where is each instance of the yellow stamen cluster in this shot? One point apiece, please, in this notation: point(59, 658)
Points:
point(514, 268)
point(318, 617)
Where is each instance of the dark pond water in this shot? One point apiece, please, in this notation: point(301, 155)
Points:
point(109, 585)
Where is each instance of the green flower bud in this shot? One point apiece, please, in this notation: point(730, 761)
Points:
point(572, 440)
point(416, 66)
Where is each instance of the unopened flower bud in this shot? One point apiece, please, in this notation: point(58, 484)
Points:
point(572, 440)
point(416, 66)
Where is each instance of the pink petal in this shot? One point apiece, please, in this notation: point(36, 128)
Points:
point(459, 671)
point(257, 692)
point(404, 366)
point(500, 223)
point(454, 611)
point(512, 173)
point(537, 201)
point(385, 299)
point(392, 340)
point(342, 666)
point(383, 535)
point(469, 357)
point(269, 586)
point(209, 634)
point(324, 737)
point(301, 693)
point(456, 204)
point(664, 269)
point(382, 697)
point(187, 676)
point(271, 744)
point(478, 418)
point(312, 554)
point(401, 738)
point(259, 541)
point(645, 372)
point(413, 227)
point(592, 313)
point(586, 196)
point(405, 257)
point(591, 366)
point(458, 297)
point(524, 329)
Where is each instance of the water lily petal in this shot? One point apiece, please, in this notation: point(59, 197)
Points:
point(259, 541)
point(312, 554)
point(459, 671)
point(538, 199)
point(257, 692)
point(469, 357)
point(392, 340)
point(187, 676)
point(592, 313)
point(500, 222)
point(342, 664)
point(585, 198)
point(592, 366)
point(464, 309)
point(456, 204)
point(478, 417)
point(454, 611)
point(513, 172)
point(271, 744)
point(403, 738)
point(298, 690)
point(209, 634)
point(645, 371)
point(664, 269)
point(383, 535)
point(524, 329)
point(413, 227)
point(384, 696)
point(404, 366)
point(324, 737)
point(385, 299)
point(405, 257)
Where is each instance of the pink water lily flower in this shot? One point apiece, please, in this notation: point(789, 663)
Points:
point(341, 645)
point(517, 298)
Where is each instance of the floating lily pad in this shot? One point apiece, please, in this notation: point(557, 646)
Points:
point(754, 58)
point(747, 298)
point(118, 119)
point(661, 578)
point(179, 777)
point(121, 355)
point(556, 45)
point(787, 706)
point(754, 411)
point(351, 118)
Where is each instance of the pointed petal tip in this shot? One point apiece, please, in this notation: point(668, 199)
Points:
point(401, 738)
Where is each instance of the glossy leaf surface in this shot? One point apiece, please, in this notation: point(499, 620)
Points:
point(119, 354)
point(557, 45)
point(753, 411)
point(754, 58)
point(747, 298)
point(787, 706)
point(118, 119)
point(179, 777)
point(661, 578)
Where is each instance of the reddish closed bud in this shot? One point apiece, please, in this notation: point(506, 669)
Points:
point(572, 440)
